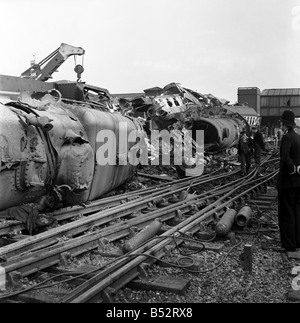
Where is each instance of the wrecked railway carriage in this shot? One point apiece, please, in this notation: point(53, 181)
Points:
point(53, 148)
point(176, 106)
point(52, 141)
point(52, 144)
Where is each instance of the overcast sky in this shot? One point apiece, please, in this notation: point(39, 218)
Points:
point(211, 46)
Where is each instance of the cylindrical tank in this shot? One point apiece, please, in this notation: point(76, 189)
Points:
point(226, 222)
point(243, 216)
point(23, 160)
point(148, 232)
point(60, 144)
point(116, 169)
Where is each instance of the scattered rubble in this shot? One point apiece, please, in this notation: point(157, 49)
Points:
point(269, 282)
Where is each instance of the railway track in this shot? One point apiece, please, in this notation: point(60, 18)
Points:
point(104, 203)
point(186, 203)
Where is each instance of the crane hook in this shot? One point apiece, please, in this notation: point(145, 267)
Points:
point(79, 70)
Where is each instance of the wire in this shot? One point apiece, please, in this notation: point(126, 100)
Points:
point(181, 262)
point(216, 266)
point(190, 240)
point(41, 285)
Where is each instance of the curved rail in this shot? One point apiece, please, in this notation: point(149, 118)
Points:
point(206, 205)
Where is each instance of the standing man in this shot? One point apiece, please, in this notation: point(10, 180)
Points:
point(258, 145)
point(288, 184)
point(244, 151)
point(279, 136)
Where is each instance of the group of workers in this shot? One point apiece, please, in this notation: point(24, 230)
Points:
point(250, 145)
point(288, 178)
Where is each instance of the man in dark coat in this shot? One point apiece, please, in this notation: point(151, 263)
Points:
point(258, 145)
point(244, 151)
point(288, 184)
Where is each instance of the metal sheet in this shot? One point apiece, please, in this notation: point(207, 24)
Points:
point(106, 177)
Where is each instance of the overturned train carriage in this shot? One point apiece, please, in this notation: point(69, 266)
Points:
point(175, 106)
point(221, 127)
point(219, 133)
point(55, 151)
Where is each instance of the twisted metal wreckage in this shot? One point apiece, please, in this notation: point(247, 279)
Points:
point(49, 141)
point(180, 110)
point(50, 146)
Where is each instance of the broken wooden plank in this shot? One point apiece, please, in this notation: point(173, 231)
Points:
point(202, 245)
point(51, 295)
point(169, 284)
point(262, 202)
point(266, 198)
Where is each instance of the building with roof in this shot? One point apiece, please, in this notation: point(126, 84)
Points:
point(248, 113)
point(249, 96)
point(274, 101)
point(270, 103)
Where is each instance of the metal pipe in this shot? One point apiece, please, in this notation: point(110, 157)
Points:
point(185, 226)
point(225, 223)
point(96, 219)
point(148, 232)
point(243, 216)
point(91, 288)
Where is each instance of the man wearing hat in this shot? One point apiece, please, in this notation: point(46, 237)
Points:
point(244, 152)
point(258, 144)
point(288, 184)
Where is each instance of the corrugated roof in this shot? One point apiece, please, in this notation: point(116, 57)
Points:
point(242, 110)
point(281, 92)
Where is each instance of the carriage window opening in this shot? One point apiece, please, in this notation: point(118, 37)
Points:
point(225, 133)
point(176, 102)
